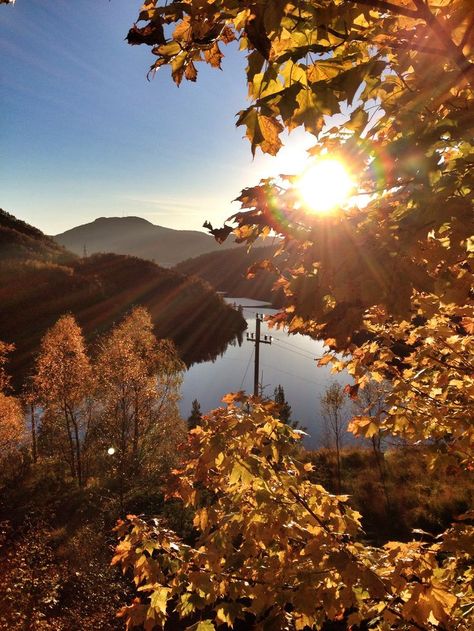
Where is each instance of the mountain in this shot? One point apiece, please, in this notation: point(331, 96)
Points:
point(40, 281)
point(226, 271)
point(138, 237)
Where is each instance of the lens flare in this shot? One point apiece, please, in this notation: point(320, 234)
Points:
point(325, 185)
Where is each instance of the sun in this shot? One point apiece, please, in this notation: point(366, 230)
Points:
point(325, 185)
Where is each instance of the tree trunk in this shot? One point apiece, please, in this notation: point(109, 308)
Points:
point(34, 448)
point(136, 433)
point(380, 462)
point(71, 444)
point(78, 453)
point(338, 463)
point(77, 440)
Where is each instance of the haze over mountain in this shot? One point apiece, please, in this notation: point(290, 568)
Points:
point(138, 237)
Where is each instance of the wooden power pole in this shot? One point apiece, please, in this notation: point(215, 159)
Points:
point(257, 340)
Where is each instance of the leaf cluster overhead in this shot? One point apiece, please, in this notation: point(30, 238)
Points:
point(276, 551)
point(388, 281)
point(387, 87)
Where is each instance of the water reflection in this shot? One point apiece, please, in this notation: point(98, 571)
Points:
point(289, 361)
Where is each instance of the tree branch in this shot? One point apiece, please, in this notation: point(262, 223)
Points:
point(453, 51)
point(467, 32)
point(428, 50)
point(388, 6)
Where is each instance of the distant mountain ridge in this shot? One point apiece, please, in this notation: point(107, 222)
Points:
point(139, 237)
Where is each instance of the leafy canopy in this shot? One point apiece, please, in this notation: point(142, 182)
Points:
point(386, 281)
point(274, 549)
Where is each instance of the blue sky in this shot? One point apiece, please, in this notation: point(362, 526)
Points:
point(84, 134)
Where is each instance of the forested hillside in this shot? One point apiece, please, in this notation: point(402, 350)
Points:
point(227, 271)
point(43, 281)
point(19, 240)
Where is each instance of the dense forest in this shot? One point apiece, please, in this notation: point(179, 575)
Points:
point(97, 436)
point(39, 281)
point(228, 271)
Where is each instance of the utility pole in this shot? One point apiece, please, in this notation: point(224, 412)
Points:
point(257, 340)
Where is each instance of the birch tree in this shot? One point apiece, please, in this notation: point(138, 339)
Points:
point(64, 383)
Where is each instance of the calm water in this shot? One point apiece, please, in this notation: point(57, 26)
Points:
point(289, 361)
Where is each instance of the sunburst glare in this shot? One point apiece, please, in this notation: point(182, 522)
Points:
point(325, 185)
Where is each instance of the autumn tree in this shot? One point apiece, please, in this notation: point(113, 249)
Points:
point(334, 413)
point(11, 414)
point(369, 407)
point(63, 382)
point(385, 280)
point(138, 391)
point(274, 550)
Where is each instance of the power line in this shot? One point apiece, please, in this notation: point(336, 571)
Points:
point(290, 350)
point(247, 369)
point(292, 374)
point(298, 348)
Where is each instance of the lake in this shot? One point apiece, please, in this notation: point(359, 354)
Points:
point(289, 360)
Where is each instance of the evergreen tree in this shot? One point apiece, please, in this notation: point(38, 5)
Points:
point(284, 408)
point(195, 417)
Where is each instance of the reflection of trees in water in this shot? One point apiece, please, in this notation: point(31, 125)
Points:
point(226, 329)
point(99, 291)
point(236, 341)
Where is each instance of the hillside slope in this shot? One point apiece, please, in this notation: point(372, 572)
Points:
point(226, 271)
point(19, 240)
point(138, 237)
point(36, 289)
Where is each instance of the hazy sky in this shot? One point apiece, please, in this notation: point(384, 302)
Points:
point(84, 134)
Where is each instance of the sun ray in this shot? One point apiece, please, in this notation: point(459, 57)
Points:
point(325, 185)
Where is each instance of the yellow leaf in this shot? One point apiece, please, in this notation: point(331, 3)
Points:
point(159, 599)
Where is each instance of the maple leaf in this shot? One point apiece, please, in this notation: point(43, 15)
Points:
point(220, 234)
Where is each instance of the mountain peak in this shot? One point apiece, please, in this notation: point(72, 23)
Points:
point(138, 237)
point(129, 219)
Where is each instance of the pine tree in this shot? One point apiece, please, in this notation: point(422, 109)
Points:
point(194, 419)
point(284, 408)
